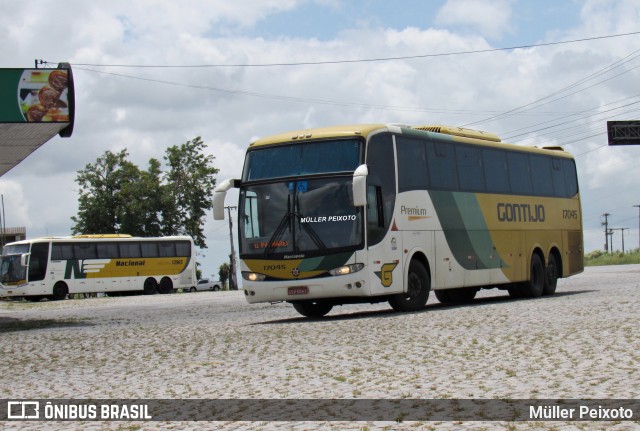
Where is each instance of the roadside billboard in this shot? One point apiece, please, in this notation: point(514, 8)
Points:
point(35, 106)
point(37, 96)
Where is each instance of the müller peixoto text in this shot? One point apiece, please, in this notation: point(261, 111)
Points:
point(581, 412)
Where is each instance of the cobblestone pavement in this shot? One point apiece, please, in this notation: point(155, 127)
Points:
point(580, 343)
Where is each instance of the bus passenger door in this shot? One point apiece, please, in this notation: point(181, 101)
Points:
point(385, 250)
point(38, 262)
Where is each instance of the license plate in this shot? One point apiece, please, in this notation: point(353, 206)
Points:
point(300, 290)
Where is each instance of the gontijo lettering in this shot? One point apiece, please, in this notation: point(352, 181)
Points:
point(521, 213)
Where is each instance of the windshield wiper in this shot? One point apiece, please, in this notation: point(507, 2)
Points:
point(277, 234)
point(309, 230)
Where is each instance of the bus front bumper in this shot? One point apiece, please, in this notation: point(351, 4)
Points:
point(352, 285)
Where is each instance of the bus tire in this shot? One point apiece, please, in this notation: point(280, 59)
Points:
point(552, 275)
point(60, 291)
point(418, 288)
point(150, 286)
point(534, 287)
point(166, 285)
point(312, 308)
point(456, 296)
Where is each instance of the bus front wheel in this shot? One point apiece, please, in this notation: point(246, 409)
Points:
point(60, 291)
point(418, 288)
point(312, 308)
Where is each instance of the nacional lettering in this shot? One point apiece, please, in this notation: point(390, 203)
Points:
point(525, 213)
point(130, 263)
point(323, 219)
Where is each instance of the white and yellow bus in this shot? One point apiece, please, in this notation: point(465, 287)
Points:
point(56, 267)
point(370, 213)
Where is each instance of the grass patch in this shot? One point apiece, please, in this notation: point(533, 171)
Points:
point(14, 325)
point(599, 258)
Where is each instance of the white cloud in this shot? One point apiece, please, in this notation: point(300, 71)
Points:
point(492, 18)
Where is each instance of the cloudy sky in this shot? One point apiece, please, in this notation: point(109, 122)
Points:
point(548, 93)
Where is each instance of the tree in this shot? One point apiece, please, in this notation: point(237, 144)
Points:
point(103, 193)
point(189, 187)
point(140, 213)
point(115, 196)
point(223, 273)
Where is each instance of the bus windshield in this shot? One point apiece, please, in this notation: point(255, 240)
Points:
point(341, 155)
point(299, 218)
point(11, 269)
point(15, 249)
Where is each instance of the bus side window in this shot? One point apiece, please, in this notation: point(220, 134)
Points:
point(382, 174)
point(442, 166)
point(470, 174)
point(496, 175)
point(85, 251)
point(570, 177)
point(250, 218)
point(167, 249)
point(559, 188)
point(412, 164)
point(107, 250)
point(541, 173)
point(183, 249)
point(519, 173)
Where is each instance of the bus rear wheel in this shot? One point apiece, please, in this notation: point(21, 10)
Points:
point(552, 275)
point(418, 288)
point(150, 286)
point(312, 308)
point(166, 285)
point(534, 287)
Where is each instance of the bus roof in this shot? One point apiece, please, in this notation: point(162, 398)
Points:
point(344, 131)
point(99, 238)
point(454, 133)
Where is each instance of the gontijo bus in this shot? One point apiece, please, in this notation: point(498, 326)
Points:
point(55, 267)
point(369, 213)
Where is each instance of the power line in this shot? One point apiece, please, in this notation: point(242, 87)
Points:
point(594, 75)
point(363, 60)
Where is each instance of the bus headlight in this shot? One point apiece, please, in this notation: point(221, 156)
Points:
point(253, 276)
point(347, 269)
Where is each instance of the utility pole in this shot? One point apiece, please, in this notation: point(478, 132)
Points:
point(621, 229)
point(638, 206)
point(233, 282)
point(606, 231)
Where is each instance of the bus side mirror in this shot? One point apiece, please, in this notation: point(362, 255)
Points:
point(24, 259)
point(219, 195)
point(360, 186)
